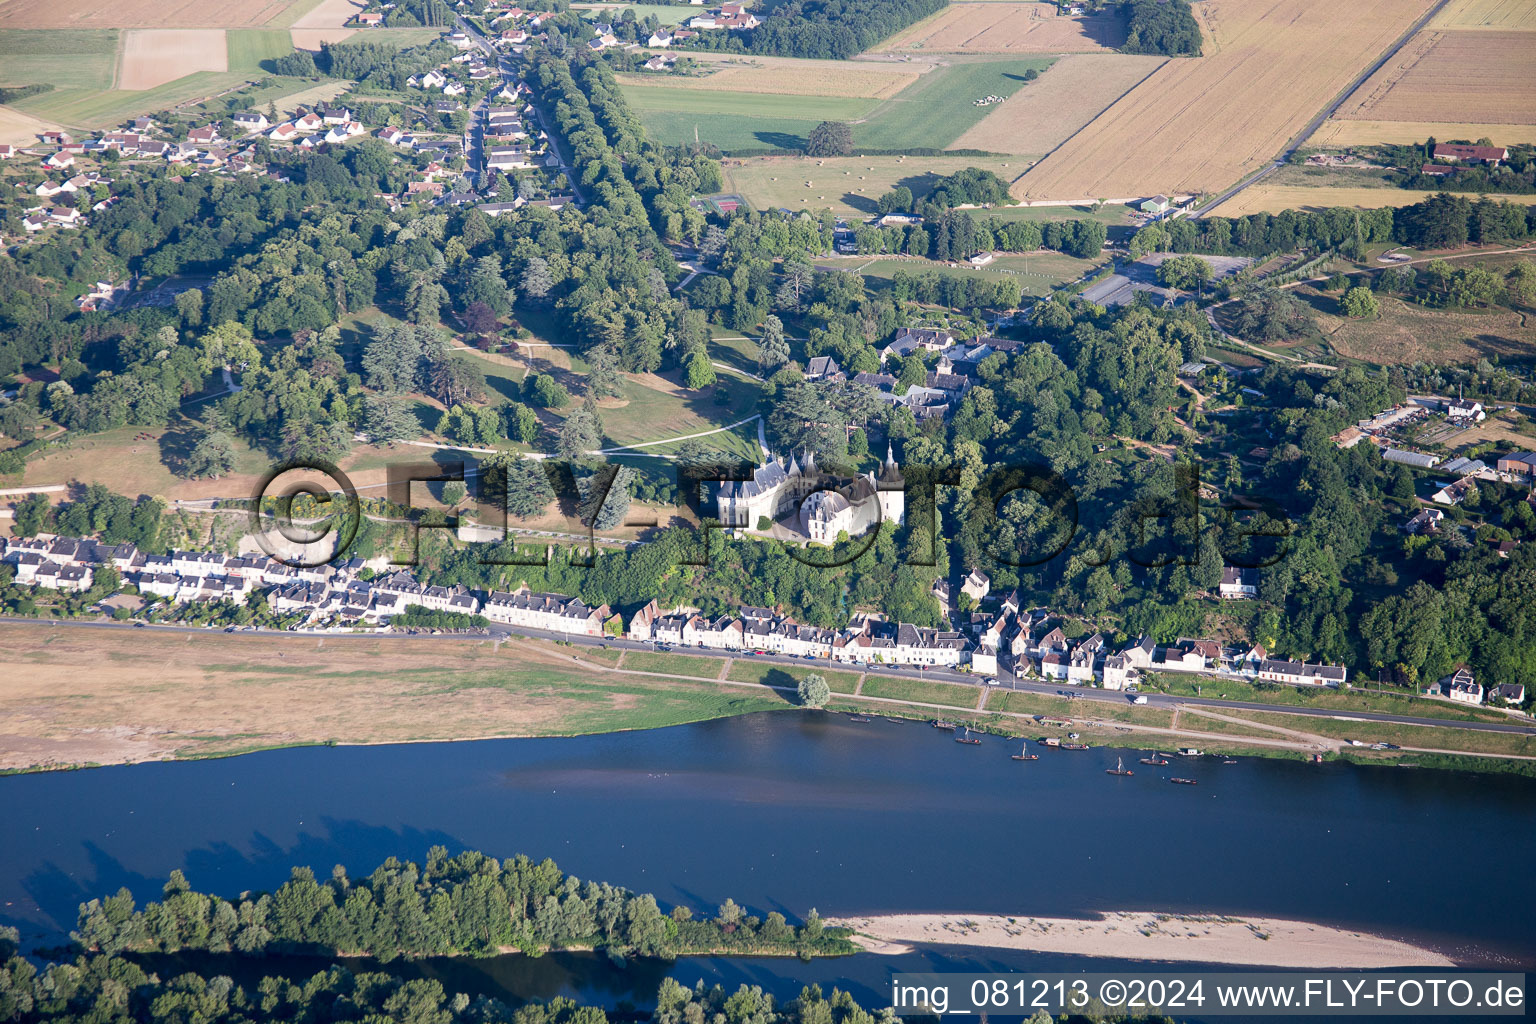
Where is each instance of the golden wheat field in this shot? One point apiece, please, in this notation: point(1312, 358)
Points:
point(141, 13)
point(1453, 76)
point(1339, 134)
point(1068, 95)
point(154, 56)
point(1201, 124)
point(1267, 198)
point(999, 27)
point(793, 78)
point(1498, 15)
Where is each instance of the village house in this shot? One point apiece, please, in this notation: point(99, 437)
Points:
point(1464, 412)
point(553, 612)
point(1296, 673)
point(251, 121)
point(1462, 687)
point(977, 585)
point(1425, 522)
point(1238, 584)
point(1118, 673)
point(1455, 493)
point(1512, 694)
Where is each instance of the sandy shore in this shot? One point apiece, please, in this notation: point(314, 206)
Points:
point(1256, 941)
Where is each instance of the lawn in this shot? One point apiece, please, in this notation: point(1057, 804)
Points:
point(1313, 697)
point(654, 408)
point(941, 106)
point(1037, 273)
point(696, 665)
point(79, 58)
point(921, 690)
point(1061, 708)
point(1427, 736)
point(249, 47)
point(667, 15)
point(746, 670)
point(849, 186)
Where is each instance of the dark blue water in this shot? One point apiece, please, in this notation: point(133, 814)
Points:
point(788, 811)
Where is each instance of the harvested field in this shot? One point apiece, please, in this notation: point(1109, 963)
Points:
point(1267, 198)
point(1200, 124)
point(998, 27)
point(1338, 134)
point(1453, 76)
point(154, 56)
point(1051, 109)
point(1496, 15)
point(796, 78)
point(850, 184)
point(19, 129)
point(323, 24)
point(140, 13)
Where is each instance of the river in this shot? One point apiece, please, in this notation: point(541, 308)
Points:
point(790, 810)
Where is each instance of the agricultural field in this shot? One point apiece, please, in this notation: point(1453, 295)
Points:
point(855, 182)
point(96, 109)
point(1200, 124)
point(155, 56)
point(19, 129)
point(65, 59)
point(321, 23)
point(1270, 198)
point(789, 77)
point(997, 27)
point(1048, 111)
point(930, 112)
point(248, 48)
point(1337, 134)
point(1450, 76)
point(1494, 15)
point(142, 13)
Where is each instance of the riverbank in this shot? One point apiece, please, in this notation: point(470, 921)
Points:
point(88, 697)
point(1180, 938)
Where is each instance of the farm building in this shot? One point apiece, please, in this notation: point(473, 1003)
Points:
point(1156, 205)
point(1471, 154)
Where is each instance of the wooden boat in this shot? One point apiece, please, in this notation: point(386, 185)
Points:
point(1024, 755)
point(967, 738)
point(1119, 768)
point(1075, 746)
point(859, 718)
point(1154, 760)
point(1185, 782)
point(1230, 760)
point(1189, 751)
point(939, 723)
point(1048, 741)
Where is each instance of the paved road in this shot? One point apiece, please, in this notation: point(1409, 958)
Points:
point(1006, 682)
point(1312, 126)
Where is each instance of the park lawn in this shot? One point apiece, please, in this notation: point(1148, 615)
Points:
point(940, 106)
point(652, 414)
point(1110, 214)
point(1404, 332)
point(695, 665)
point(745, 670)
point(738, 120)
point(1312, 697)
point(921, 690)
point(849, 185)
point(249, 47)
point(76, 58)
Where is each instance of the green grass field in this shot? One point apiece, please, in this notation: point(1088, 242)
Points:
point(94, 108)
point(667, 15)
point(930, 113)
point(248, 47)
point(849, 186)
point(745, 670)
point(63, 58)
point(1389, 702)
point(699, 666)
point(1038, 274)
point(948, 694)
point(940, 106)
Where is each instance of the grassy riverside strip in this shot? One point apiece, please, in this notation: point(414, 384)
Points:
point(471, 905)
point(179, 695)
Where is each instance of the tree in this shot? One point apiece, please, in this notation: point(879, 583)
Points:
point(522, 423)
point(604, 496)
point(773, 349)
point(387, 420)
point(1360, 304)
point(457, 381)
point(814, 691)
point(603, 378)
point(698, 373)
point(829, 138)
point(516, 484)
point(212, 456)
point(1186, 272)
point(453, 493)
point(480, 318)
point(546, 392)
point(537, 281)
point(31, 515)
point(581, 434)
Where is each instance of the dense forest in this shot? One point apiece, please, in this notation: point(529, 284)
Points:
point(469, 904)
point(826, 29)
point(1161, 26)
